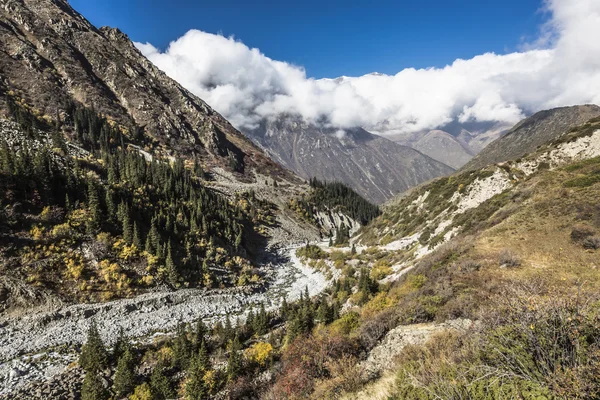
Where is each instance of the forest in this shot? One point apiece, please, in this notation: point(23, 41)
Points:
point(81, 179)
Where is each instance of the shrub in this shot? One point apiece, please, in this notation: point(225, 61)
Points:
point(142, 392)
point(592, 243)
point(61, 231)
point(311, 252)
point(373, 330)
point(259, 353)
point(347, 323)
point(509, 259)
point(581, 232)
point(380, 270)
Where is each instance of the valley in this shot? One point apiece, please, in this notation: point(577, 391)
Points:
point(151, 250)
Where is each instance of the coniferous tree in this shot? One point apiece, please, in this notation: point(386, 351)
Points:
point(121, 344)
point(172, 273)
point(124, 380)
point(227, 330)
point(93, 357)
point(137, 239)
point(182, 347)
point(199, 334)
point(250, 320)
point(195, 387)
point(160, 385)
point(92, 388)
point(94, 220)
point(234, 363)
point(261, 321)
point(127, 228)
point(284, 309)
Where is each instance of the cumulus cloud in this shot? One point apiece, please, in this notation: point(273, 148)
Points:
point(561, 68)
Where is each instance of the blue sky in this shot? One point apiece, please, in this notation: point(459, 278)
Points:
point(330, 38)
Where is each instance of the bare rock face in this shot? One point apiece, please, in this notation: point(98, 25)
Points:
point(50, 54)
point(539, 129)
point(375, 167)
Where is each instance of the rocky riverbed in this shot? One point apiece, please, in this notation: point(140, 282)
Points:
point(40, 346)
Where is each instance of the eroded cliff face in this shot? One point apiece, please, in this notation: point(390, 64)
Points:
point(51, 55)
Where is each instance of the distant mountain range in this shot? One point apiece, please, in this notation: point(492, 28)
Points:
point(374, 166)
point(454, 144)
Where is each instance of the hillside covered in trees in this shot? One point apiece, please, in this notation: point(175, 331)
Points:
point(82, 203)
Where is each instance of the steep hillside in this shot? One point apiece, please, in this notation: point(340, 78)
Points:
point(532, 132)
point(51, 56)
point(445, 148)
point(117, 181)
point(375, 167)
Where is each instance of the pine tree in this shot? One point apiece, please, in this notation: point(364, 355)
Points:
point(93, 357)
point(234, 363)
point(227, 330)
point(250, 320)
point(195, 387)
point(124, 380)
point(182, 347)
point(172, 273)
point(111, 208)
point(203, 357)
point(137, 239)
point(121, 344)
point(92, 388)
point(261, 321)
point(199, 334)
point(93, 206)
point(284, 309)
point(160, 385)
point(127, 228)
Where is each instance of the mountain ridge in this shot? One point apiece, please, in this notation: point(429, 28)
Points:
point(532, 132)
point(375, 167)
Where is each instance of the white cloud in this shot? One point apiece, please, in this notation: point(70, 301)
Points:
point(246, 86)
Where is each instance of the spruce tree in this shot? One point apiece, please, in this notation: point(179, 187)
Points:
point(195, 387)
point(93, 357)
point(137, 239)
point(199, 334)
point(172, 273)
point(261, 321)
point(127, 228)
point(227, 330)
point(234, 363)
point(121, 344)
point(182, 347)
point(124, 381)
point(92, 388)
point(94, 220)
point(160, 385)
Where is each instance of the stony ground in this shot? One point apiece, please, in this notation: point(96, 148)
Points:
point(38, 346)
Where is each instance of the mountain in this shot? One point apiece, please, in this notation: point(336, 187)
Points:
point(453, 144)
point(116, 181)
point(532, 132)
point(51, 55)
point(444, 147)
point(375, 167)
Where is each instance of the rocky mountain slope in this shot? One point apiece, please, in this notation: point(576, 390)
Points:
point(51, 55)
point(527, 135)
point(375, 167)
